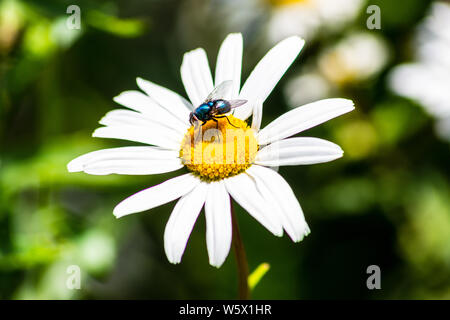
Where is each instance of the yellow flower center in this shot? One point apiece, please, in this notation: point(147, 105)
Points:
point(219, 150)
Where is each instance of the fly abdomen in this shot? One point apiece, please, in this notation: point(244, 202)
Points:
point(222, 106)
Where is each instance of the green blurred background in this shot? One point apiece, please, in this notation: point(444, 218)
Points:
point(386, 202)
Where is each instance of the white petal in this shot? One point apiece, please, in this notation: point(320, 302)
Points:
point(157, 195)
point(257, 116)
point(196, 76)
point(169, 100)
point(243, 189)
point(267, 73)
point(297, 151)
point(127, 160)
point(121, 117)
point(218, 223)
point(275, 188)
point(304, 117)
point(133, 167)
point(229, 63)
point(155, 135)
point(181, 222)
point(142, 103)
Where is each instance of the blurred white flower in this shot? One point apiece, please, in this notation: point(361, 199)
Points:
point(307, 17)
point(427, 80)
point(161, 118)
point(12, 14)
point(356, 58)
point(265, 21)
point(306, 87)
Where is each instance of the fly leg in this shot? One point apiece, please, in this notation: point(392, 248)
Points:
point(228, 120)
point(217, 123)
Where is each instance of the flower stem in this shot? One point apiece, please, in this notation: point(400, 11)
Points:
point(241, 257)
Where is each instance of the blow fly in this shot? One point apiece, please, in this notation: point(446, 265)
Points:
point(215, 106)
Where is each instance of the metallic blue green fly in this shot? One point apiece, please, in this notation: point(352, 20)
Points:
point(215, 106)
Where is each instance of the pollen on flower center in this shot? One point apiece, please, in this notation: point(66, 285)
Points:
point(219, 150)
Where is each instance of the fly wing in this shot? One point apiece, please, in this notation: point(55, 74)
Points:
point(221, 91)
point(236, 103)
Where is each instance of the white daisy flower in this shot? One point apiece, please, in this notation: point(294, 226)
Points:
point(160, 118)
point(307, 17)
point(427, 79)
point(266, 21)
point(357, 57)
